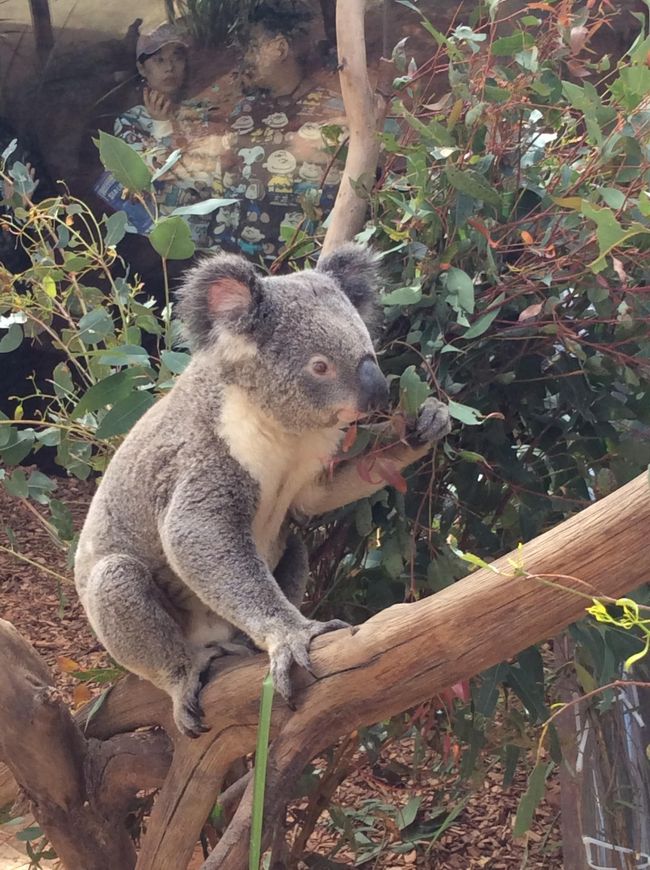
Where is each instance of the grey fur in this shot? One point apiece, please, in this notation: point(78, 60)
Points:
point(357, 271)
point(191, 518)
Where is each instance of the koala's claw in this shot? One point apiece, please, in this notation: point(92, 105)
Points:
point(295, 648)
point(433, 422)
point(188, 713)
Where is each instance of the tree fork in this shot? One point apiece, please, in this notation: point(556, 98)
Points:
point(487, 617)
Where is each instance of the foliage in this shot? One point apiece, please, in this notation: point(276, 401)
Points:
point(514, 219)
point(211, 21)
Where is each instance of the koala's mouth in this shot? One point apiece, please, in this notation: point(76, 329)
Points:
point(350, 415)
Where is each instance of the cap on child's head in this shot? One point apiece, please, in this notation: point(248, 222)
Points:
point(164, 34)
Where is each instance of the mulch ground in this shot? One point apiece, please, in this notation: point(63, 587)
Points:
point(47, 613)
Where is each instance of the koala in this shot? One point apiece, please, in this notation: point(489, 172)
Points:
point(188, 540)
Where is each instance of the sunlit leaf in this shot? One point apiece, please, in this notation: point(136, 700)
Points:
point(124, 163)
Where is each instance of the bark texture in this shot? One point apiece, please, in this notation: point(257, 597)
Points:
point(395, 660)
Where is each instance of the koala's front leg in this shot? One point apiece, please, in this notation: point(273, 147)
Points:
point(212, 550)
point(347, 485)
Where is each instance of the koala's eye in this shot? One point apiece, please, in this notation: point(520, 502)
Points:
point(321, 367)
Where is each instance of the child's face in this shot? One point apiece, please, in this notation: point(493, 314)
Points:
point(165, 70)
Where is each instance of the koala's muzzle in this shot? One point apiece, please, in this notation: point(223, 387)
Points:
point(373, 386)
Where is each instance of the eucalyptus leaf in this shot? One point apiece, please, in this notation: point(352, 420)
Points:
point(175, 361)
point(472, 184)
point(532, 797)
point(459, 283)
point(465, 414)
point(12, 339)
point(413, 391)
point(402, 296)
point(483, 323)
point(204, 207)
point(172, 160)
point(171, 238)
point(124, 414)
point(115, 228)
point(124, 163)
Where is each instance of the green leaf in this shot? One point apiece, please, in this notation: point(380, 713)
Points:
point(512, 753)
point(472, 184)
point(49, 437)
point(465, 414)
point(175, 361)
point(115, 228)
point(609, 233)
point(124, 414)
point(110, 390)
point(40, 486)
point(644, 203)
point(17, 485)
point(461, 284)
point(402, 296)
point(123, 355)
point(18, 447)
point(413, 391)
point(533, 795)
point(96, 325)
point(171, 238)
point(406, 815)
point(99, 700)
point(12, 339)
point(62, 379)
point(486, 699)
point(613, 197)
point(124, 162)
point(508, 46)
point(49, 286)
point(259, 773)
point(483, 323)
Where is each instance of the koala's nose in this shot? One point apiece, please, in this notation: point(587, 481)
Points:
point(373, 392)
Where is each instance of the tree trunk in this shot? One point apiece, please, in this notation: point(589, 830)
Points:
point(348, 215)
point(399, 658)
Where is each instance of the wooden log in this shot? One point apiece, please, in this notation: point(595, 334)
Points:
point(78, 789)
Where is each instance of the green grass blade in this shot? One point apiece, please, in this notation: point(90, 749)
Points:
point(259, 776)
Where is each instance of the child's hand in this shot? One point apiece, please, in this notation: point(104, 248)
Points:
point(158, 105)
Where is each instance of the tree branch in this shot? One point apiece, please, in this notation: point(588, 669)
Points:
point(399, 658)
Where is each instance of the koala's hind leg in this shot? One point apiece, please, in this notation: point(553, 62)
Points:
point(293, 569)
point(128, 613)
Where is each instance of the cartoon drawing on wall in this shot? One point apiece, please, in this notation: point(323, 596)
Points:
point(253, 196)
point(281, 166)
point(243, 124)
point(274, 124)
point(250, 156)
point(309, 177)
point(251, 242)
point(233, 183)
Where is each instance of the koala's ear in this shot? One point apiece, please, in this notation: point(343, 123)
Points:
point(222, 289)
point(356, 269)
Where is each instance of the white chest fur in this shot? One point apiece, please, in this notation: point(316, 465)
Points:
point(282, 463)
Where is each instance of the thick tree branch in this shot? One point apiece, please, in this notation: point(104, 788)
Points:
point(397, 659)
point(48, 755)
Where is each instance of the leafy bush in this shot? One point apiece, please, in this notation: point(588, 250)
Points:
point(513, 217)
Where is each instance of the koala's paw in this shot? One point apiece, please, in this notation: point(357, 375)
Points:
point(433, 422)
point(188, 713)
point(294, 647)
